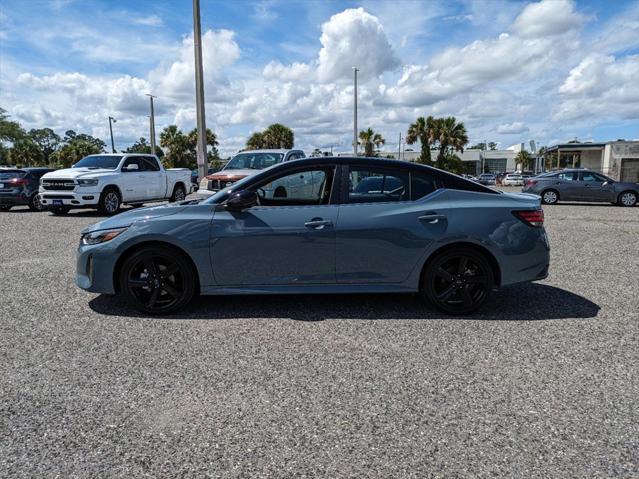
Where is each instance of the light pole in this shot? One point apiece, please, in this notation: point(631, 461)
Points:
point(111, 119)
point(399, 147)
point(199, 93)
point(152, 124)
point(355, 70)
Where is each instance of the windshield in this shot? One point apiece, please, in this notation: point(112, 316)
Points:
point(10, 174)
point(253, 161)
point(108, 162)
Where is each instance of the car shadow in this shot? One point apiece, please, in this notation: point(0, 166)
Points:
point(523, 302)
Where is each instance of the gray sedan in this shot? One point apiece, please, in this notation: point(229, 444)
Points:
point(581, 185)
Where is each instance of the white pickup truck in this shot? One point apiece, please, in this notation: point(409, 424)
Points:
point(106, 181)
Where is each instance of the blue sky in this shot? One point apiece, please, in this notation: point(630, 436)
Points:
point(512, 71)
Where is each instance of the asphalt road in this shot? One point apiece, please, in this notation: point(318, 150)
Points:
point(543, 383)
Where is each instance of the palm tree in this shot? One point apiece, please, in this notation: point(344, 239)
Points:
point(177, 148)
point(422, 130)
point(255, 141)
point(278, 136)
point(368, 139)
point(450, 135)
point(523, 160)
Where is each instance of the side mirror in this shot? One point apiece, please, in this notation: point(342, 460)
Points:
point(131, 167)
point(607, 182)
point(241, 200)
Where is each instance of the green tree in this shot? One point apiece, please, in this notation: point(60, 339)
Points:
point(451, 136)
point(369, 139)
point(523, 160)
point(26, 152)
point(211, 141)
point(141, 146)
point(10, 131)
point(275, 136)
point(177, 151)
point(423, 131)
point(453, 163)
point(75, 147)
point(47, 140)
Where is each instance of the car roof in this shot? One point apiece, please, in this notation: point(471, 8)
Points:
point(269, 150)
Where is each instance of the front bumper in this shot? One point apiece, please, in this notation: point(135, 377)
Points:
point(72, 199)
point(92, 258)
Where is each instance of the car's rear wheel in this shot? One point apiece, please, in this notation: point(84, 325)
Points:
point(59, 210)
point(458, 281)
point(549, 197)
point(35, 204)
point(627, 198)
point(109, 203)
point(157, 280)
point(5, 207)
point(178, 194)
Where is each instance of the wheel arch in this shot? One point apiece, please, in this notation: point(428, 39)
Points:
point(115, 187)
point(144, 244)
point(492, 260)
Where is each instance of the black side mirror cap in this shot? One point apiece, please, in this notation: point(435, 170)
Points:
point(241, 200)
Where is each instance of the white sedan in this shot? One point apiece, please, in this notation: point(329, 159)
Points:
point(513, 180)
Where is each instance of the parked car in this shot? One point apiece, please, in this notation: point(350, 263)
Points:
point(107, 181)
point(486, 179)
point(358, 225)
point(581, 185)
point(245, 164)
point(194, 180)
point(19, 186)
point(512, 179)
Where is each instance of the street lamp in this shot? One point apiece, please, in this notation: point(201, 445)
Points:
point(199, 92)
point(355, 70)
point(152, 124)
point(112, 120)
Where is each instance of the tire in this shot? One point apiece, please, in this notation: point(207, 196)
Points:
point(179, 194)
point(457, 281)
point(157, 280)
point(549, 197)
point(280, 192)
point(110, 202)
point(35, 204)
point(5, 207)
point(627, 198)
point(59, 210)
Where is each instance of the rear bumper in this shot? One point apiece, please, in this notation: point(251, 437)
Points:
point(70, 199)
point(14, 199)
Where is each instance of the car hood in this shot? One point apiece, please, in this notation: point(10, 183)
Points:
point(127, 218)
point(73, 173)
point(224, 174)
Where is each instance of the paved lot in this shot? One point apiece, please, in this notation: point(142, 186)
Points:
point(544, 383)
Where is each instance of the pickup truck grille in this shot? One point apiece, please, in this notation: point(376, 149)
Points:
point(58, 185)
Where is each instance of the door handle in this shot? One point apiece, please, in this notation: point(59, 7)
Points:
point(431, 218)
point(318, 224)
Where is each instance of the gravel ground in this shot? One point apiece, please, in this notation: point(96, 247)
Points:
point(542, 384)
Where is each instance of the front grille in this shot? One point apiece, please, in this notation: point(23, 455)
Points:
point(58, 185)
point(58, 197)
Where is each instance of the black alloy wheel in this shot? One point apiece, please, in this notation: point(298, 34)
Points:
point(157, 280)
point(35, 204)
point(458, 281)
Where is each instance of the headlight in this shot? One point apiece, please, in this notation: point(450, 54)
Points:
point(97, 237)
point(87, 182)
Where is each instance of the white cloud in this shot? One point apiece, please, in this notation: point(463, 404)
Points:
point(354, 38)
point(513, 128)
point(548, 18)
point(149, 21)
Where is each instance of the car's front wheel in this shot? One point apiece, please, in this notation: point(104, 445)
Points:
point(157, 280)
point(458, 281)
point(627, 198)
point(109, 203)
point(549, 197)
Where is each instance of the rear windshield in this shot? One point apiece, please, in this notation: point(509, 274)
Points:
point(254, 161)
point(10, 174)
point(108, 162)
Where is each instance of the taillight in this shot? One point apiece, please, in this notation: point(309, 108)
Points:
point(534, 218)
point(19, 182)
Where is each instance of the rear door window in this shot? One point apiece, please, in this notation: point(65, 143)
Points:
point(568, 176)
point(148, 164)
point(422, 184)
point(377, 185)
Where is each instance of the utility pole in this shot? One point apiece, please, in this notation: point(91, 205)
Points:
point(399, 147)
point(111, 119)
point(199, 93)
point(152, 124)
point(355, 70)
point(483, 158)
